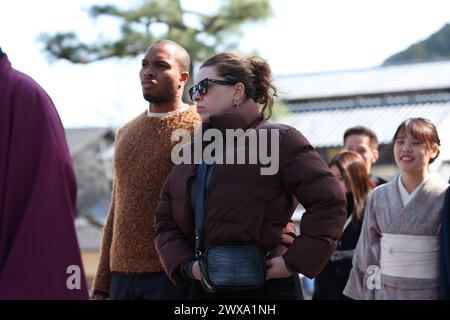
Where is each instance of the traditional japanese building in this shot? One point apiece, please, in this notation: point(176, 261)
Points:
point(323, 105)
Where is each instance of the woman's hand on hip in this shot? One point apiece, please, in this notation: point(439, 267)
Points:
point(196, 271)
point(276, 268)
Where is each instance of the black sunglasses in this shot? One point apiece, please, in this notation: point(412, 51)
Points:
point(202, 86)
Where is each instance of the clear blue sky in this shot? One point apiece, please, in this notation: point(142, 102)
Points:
point(301, 37)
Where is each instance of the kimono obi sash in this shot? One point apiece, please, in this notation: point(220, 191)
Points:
point(409, 256)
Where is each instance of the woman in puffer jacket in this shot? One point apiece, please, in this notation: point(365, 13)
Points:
point(257, 173)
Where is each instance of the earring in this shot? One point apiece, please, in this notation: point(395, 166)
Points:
point(235, 102)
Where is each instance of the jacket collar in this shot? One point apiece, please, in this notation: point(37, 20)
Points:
point(245, 116)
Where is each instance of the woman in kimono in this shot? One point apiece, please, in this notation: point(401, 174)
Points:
point(397, 256)
point(350, 170)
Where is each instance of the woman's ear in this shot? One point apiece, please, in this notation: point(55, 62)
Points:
point(434, 151)
point(239, 92)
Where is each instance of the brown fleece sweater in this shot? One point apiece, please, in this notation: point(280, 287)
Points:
point(141, 162)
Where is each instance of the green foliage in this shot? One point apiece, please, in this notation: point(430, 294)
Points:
point(279, 110)
point(212, 32)
point(437, 46)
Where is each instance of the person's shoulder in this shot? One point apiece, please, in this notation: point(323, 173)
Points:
point(290, 136)
point(187, 119)
point(190, 115)
point(268, 125)
point(192, 111)
point(379, 189)
point(436, 184)
point(22, 82)
point(378, 181)
point(28, 96)
point(383, 189)
point(131, 123)
point(283, 129)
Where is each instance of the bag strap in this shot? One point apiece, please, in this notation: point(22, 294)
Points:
point(200, 193)
point(204, 175)
point(347, 222)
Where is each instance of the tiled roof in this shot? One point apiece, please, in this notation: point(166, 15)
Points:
point(326, 127)
point(398, 78)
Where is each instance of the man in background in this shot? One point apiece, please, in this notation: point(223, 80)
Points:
point(365, 142)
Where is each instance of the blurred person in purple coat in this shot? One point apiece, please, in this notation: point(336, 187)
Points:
point(39, 253)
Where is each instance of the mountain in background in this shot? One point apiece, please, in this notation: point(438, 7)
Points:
point(435, 47)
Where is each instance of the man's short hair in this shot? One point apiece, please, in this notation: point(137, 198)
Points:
point(360, 130)
point(182, 56)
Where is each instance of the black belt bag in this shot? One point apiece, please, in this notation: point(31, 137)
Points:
point(227, 266)
point(233, 266)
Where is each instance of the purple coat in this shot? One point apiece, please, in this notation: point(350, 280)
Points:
point(38, 243)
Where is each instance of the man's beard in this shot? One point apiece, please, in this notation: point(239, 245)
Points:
point(159, 98)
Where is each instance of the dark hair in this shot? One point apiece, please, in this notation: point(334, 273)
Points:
point(352, 168)
point(253, 72)
point(360, 130)
point(182, 55)
point(421, 129)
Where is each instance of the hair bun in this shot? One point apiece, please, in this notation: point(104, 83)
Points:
point(259, 67)
point(253, 72)
point(265, 91)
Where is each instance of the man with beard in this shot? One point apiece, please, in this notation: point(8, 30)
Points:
point(129, 266)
